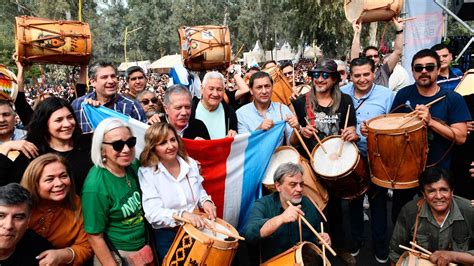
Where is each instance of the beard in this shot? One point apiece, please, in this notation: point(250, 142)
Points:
point(424, 83)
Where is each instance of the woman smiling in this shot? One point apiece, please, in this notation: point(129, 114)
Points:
point(56, 213)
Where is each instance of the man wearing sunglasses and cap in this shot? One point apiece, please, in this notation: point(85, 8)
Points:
point(325, 108)
point(445, 120)
point(382, 70)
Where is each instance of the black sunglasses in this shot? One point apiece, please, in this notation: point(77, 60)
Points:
point(146, 101)
point(119, 144)
point(429, 67)
point(325, 75)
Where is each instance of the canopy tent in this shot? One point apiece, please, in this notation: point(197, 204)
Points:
point(143, 64)
point(164, 64)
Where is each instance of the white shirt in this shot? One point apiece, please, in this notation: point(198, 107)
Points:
point(165, 195)
point(214, 120)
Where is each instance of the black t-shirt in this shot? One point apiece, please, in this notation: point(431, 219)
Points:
point(30, 246)
point(327, 124)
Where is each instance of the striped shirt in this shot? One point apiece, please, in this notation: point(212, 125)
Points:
point(118, 103)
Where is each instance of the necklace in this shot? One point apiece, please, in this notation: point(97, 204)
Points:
point(128, 181)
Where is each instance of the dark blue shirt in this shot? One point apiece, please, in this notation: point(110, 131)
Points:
point(287, 235)
point(454, 78)
point(450, 110)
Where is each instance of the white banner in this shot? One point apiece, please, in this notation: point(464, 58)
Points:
point(423, 32)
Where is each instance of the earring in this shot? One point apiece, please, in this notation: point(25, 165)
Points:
point(104, 159)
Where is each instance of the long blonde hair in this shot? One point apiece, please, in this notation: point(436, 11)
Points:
point(33, 173)
point(154, 135)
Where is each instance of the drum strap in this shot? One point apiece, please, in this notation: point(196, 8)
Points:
point(450, 146)
point(420, 204)
point(191, 189)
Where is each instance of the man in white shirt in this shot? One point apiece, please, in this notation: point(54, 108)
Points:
point(219, 118)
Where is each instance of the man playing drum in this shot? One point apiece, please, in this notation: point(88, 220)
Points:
point(369, 100)
point(439, 222)
point(445, 120)
point(262, 113)
point(382, 71)
point(273, 223)
point(325, 107)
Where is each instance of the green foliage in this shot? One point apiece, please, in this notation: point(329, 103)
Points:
point(248, 20)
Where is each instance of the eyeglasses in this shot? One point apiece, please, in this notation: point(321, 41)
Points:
point(372, 56)
point(316, 75)
point(119, 144)
point(429, 67)
point(288, 73)
point(147, 101)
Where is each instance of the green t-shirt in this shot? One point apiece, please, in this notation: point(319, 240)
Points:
point(110, 206)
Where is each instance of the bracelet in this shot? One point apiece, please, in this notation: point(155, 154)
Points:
point(399, 31)
point(73, 255)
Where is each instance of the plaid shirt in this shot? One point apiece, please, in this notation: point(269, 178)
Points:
point(119, 104)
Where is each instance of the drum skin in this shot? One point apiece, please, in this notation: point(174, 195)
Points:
point(40, 40)
point(295, 255)
point(313, 189)
point(194, 247)
point(409, 259)
point(282, 90)
point(205, 47)
point(397, 156)
point(365, 11)
point(350, 184)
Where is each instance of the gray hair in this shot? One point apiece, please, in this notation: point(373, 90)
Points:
point(101, 64)
point(343, 64)
point(15, 194)
point(104, 126)
point(286, 169)
point(212, 75)
point(176, 89)
point(143, 93)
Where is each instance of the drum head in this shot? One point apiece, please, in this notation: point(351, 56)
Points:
point(393, 122)
point(353, 9)
point(219, 236)
point(329, 164)
point(281, 155)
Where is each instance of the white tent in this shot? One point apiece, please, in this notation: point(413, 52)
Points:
point(143, 64)
point(165, 63)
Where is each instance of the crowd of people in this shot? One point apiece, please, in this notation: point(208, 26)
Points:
point(74, 194)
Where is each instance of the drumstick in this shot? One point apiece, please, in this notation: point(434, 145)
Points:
point(427, 105)
point(315, 232)
point(324, 248)
point(316, 136)
point(345, 126)
point(303, 144)
point(420, 248)
point(423, 255)
point(407, 19)
point(229, 234)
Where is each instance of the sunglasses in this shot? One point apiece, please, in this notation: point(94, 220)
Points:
point(288, 73)
point(119, 144)
point(147, 101)
point(429, 67)
point(316, 75)
point(372, 56)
